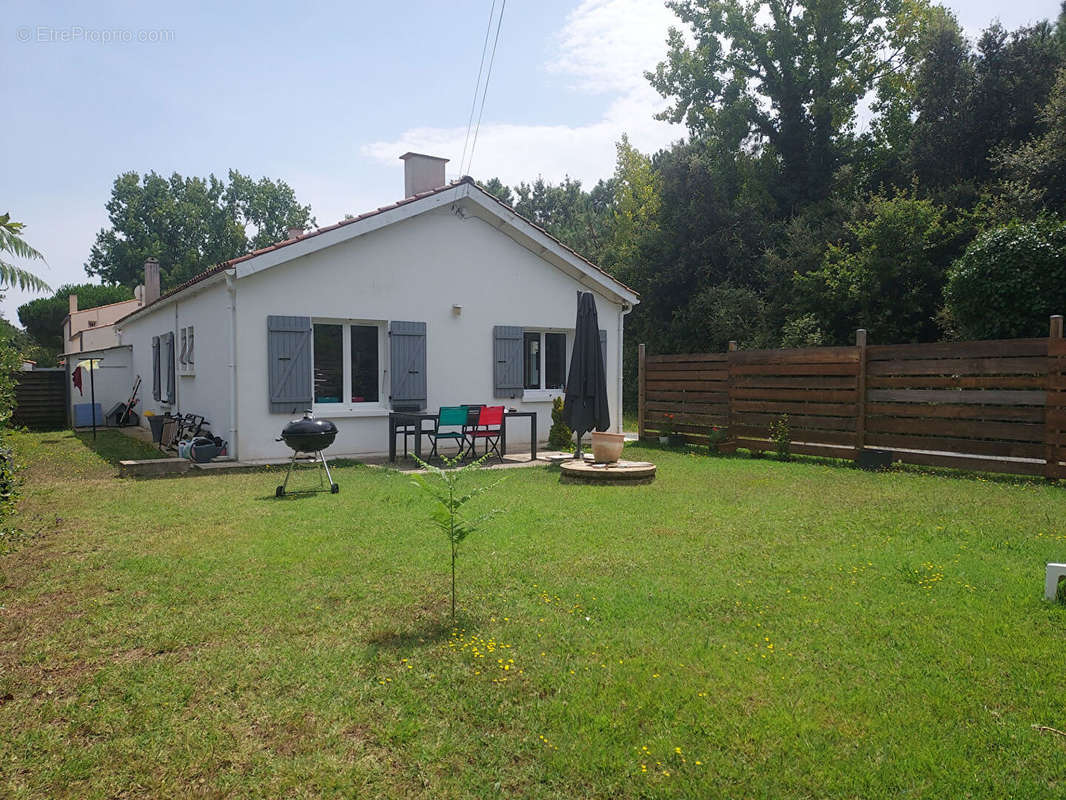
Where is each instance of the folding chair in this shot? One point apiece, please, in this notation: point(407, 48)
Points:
point(450, 417)
point(489, 427)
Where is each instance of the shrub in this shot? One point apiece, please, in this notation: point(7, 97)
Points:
point(1009, 282)
point(781, 434)
point(560, 437)
point(715, 436)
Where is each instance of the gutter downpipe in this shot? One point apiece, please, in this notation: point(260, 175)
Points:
point(624, 309)
point(231, 291)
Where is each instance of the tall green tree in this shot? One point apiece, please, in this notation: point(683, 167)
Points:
point(1035, 172)
point(784, 73)
point(888, 274)
point(189, 224)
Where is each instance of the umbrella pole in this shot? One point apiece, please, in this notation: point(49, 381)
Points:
point(92, 397)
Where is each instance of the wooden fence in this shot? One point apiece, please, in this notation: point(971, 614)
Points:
point(998, 406)
point(41, 399)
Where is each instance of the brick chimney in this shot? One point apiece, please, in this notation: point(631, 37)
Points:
point(422, 173)
point(151, 281)
point(293, 232)
point(72, 300)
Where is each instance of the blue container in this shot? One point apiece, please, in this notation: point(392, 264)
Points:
point(84, 413)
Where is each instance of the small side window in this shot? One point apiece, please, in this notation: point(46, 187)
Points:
point(184, 345)
point(189, 354)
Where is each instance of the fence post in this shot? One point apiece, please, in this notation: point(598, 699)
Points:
point(642, 378)
point(860, 397)
point(1054, 408)
point(729, 435)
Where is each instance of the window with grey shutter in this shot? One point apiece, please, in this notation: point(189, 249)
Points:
point(289, 364)
point(168, 366)
point(407, 363)
point(156, 393)
point(507, 361)
point(603, 349)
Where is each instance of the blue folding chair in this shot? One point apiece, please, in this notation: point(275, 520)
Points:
point(448, 419)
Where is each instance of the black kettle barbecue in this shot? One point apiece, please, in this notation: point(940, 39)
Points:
point(308, 435)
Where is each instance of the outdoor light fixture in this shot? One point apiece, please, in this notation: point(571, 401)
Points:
point(457, 310)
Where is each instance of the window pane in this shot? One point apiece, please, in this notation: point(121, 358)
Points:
point(531, 350)
point(554, 360)
point(329, 363)
point(364, 364)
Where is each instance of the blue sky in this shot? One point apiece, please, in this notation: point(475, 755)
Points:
point(325, 96)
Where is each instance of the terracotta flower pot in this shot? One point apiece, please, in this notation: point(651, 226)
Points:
point(607, 447)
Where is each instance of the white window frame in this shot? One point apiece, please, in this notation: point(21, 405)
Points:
point(346, 407)
point(541, 394)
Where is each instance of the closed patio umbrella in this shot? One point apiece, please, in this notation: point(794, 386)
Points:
point(585, 405)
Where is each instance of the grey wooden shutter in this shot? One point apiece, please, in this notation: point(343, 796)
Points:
point(507, 361)
point(603, 349)
point(289, 364)
point(168, 366)
point(407, 363)
point(156, 393)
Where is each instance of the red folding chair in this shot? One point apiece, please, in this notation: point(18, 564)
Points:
point(489, 427)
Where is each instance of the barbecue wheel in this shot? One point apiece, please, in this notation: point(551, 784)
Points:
point(334, 488)
point(279, 492)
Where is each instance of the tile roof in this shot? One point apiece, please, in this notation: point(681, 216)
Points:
point(221, 267)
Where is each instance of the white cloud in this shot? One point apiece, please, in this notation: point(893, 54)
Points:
point(604, 48)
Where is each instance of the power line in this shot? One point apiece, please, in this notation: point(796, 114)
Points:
point(477, 86)
point(485, 91)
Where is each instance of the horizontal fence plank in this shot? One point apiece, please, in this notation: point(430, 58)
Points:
point(1012, 431)
point(779, 407)
point(950, 411)
point(798, 420)
point(691, 408)
point(687, 375)
point(814, 394)
point(957, 382)
point(960, 366)
point(806, 355)
point(992, 348)
point(683, 357)
point(795, 369)
point(984, 397)
point(1008, 466)
point(686, 366)
point(954, 445)
point(798, 435)
point(687, 386)
point(687, 397)
point(796, 381)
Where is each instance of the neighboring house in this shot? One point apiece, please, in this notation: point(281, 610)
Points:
point(94, 328)
point(446, 297)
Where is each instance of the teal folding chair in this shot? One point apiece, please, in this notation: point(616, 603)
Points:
point(450, 418)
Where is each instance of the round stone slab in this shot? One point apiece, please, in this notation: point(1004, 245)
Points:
point(621, 472)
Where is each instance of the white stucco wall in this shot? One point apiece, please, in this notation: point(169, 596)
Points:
point(205, 389)
point(414, 270)
point(111, 379)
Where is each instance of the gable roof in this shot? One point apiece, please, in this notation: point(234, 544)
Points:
point(404, 209)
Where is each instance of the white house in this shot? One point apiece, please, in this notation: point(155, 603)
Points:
point(444, 298)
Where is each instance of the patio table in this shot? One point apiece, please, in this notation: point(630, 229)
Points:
point(401, 419)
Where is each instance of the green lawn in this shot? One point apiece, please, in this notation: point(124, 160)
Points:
point(739, 628)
